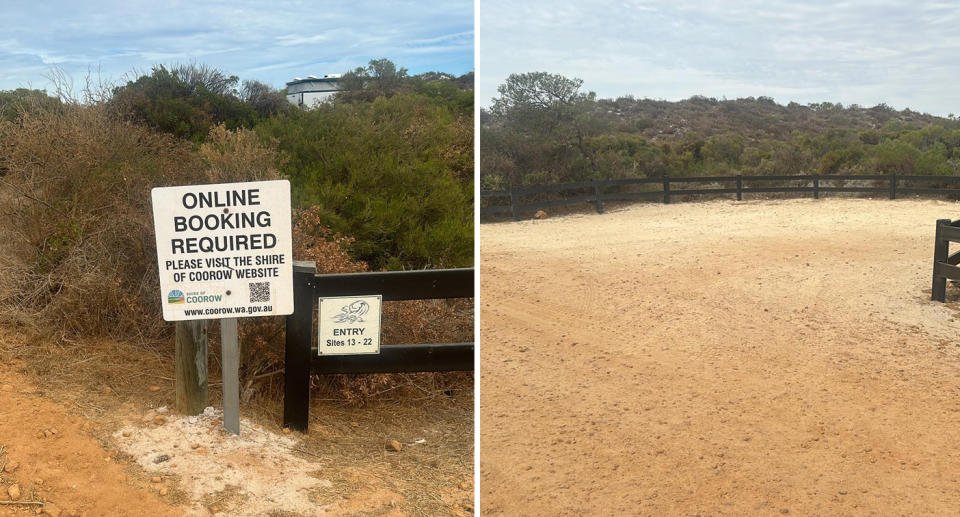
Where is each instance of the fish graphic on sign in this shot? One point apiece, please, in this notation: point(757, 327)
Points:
point(352, 313)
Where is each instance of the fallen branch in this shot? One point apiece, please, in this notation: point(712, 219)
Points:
point(263, 375)
point(35, 503)
point(28, 196)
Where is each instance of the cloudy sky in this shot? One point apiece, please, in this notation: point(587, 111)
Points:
point(271, 41)
point(903, 53)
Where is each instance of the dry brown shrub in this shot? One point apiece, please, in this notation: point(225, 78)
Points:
point(235, 156)
point(263, 338)
point(76, 209)
point(76, 212)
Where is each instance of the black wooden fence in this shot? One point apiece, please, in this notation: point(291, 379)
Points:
point(945, 264)
point(597, 192)
point(302, 358)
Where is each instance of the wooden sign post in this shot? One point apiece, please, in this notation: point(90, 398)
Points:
point(224, 251)
point(191, 369)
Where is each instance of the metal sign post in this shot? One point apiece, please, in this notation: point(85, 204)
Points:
point(230, 356)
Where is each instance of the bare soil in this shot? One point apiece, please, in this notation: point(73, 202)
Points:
point(102, 405)
point(720, 358)
point(52, 457)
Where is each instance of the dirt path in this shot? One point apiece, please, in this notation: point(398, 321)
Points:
point(51, 456)
point(719, 358)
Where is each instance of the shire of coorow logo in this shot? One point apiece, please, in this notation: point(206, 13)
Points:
point(175, 296)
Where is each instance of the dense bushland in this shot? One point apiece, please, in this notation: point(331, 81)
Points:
point(380, 180)
point(390, 161)
point(543, 129)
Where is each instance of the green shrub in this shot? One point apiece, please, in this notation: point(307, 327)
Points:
point(396, 174)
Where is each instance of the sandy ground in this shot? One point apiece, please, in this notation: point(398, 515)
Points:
point(257, 468)
point(720, 358)
point(81, 448)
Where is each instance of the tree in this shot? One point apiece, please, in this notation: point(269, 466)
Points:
point(263, 98)
point(543, 122)
point(897, 157)
point(542, 128)
point(395, 174)
point(202, 76)
point(185, 101)
point(380, 77)
point(436, 76)
point(13, 102)
point(538, 91)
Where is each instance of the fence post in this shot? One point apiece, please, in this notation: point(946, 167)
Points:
point(941, 249)
point(816, 186)
point(513, 204)
point(893, 186)
point(666, 191)
point(296, 388)
point(739, 187)
point(599, 200)
point(191, 368)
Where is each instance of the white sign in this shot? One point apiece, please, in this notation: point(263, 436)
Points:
point(349, 325)
point(224, 250)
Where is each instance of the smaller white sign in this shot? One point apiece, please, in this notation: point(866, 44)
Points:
point(349, 325)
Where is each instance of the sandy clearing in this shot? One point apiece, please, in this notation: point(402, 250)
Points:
point(719, 358)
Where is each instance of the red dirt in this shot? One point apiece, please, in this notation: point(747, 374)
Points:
point(68, 469)
point(760, 358)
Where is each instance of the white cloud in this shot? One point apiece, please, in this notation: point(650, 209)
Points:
point(288, 41)
point(460, 36)
point(271, 42)
point(898, 52)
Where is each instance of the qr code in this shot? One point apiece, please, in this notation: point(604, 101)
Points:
point(259, 292)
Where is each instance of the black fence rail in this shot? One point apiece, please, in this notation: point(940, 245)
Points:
point(945, 264)
point(523, 200)
point(302, 358)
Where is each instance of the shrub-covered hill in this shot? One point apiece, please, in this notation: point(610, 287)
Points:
point(543, 129)
point(752, 117)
